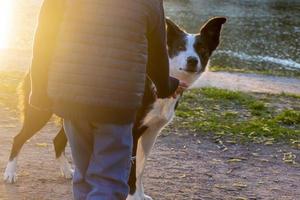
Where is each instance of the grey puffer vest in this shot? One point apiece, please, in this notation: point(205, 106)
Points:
point(99, 65)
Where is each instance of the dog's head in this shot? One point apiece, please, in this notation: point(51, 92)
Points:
point(189, 53)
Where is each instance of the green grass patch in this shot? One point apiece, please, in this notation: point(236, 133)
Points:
point(221, 94)
point(289, 117)
point(296, 96)
point(244, 116)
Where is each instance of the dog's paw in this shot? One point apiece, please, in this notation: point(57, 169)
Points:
point(10, 174)
point(138, 197)
point(67, 172)
point(146, 197)
point(65, 167)
point(10, 177)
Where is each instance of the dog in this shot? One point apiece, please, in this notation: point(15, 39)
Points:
point(189, 56)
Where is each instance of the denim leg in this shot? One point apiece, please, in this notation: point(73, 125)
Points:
point(110, 162)
point(80, 138)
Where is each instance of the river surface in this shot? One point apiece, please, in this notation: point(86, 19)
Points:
point(259, 33)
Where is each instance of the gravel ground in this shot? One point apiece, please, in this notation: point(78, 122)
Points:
point(182, 166)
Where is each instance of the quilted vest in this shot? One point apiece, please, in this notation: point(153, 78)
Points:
point(100, 56)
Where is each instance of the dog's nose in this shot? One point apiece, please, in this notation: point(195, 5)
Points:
point(192, 63)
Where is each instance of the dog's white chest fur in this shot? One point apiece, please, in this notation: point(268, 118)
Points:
point(162, 112)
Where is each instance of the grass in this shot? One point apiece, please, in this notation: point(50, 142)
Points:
point(242, 116)
point(274, 72)
point(8, 87)
point(289, 117)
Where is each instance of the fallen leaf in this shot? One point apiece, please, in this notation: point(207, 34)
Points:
point(231, 141)
point(216, 161)
point(41, 144)
point(262, 160)
point(220, 133)
point(289, 158)
point(234, 160)
point(240, 185)
point(220, 186)
point(268, 143)
point(293, 141)
point(224, 149)
point(182, 176)
point(241, 198)
point(255, 154)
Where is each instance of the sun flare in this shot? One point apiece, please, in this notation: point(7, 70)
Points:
point(5, 21)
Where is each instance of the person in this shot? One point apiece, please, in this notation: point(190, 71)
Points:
point(89, 65)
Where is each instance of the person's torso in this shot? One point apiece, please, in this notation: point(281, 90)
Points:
point(101, 53)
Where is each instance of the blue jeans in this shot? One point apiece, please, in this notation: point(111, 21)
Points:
point(102, 158)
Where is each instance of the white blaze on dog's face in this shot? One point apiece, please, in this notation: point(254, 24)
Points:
point(190, 53)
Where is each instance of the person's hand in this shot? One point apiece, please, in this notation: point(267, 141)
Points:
point(181, 88)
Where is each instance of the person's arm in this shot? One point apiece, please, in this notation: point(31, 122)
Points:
point(44, 41)
point(158, 60)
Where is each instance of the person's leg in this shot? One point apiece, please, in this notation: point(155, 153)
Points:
point(110, 162)
point(80, 137)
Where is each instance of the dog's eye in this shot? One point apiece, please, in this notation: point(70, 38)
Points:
point(200, 48)
point(181, 48)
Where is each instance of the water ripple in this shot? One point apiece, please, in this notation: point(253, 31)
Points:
point(289, 63)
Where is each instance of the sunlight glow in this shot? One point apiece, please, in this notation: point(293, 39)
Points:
point(5, 21)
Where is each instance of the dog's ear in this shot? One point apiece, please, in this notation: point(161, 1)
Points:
point(172, 28)
point(210, 32)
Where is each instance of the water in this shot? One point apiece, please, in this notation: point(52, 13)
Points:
point(19, 28)
point(259, 33)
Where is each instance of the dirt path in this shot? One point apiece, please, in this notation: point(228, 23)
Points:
point(250, 82)
point(181, 167)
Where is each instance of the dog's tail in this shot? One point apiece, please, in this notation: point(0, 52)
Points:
point(23, 91)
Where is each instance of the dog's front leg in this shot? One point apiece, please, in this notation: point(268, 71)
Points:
point(145, 144)
point(10, 174)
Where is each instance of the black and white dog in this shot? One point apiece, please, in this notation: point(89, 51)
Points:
point(189, 56)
